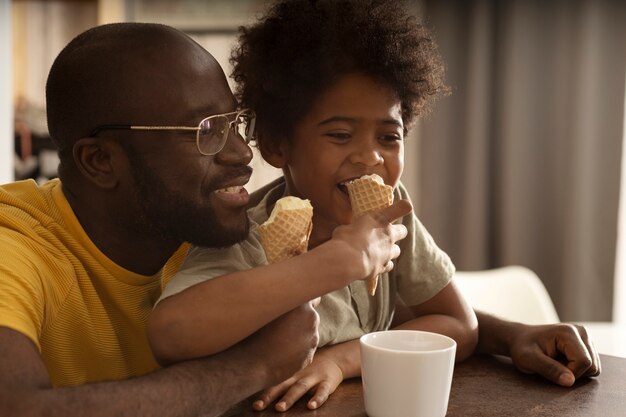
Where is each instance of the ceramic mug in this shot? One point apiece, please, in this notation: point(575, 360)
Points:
point(406, 373)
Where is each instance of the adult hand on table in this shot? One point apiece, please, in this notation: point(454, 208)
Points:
point(206, 386)
point(286, 344)
point(321, 378)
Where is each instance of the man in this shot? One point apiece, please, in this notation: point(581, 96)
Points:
point(84, 258)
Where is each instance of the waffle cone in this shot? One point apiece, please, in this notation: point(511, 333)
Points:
point(368, 194)
point(286, 232)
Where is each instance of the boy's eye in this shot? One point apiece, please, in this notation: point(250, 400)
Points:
point(391, 138)
point(339, 135)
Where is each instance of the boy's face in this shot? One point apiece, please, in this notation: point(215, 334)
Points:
point(354, 128)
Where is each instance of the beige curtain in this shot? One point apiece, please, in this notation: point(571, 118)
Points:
point(521, 164)
point(40, 30)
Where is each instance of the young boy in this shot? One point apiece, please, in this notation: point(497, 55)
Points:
point(336, 85)
point(344, 113)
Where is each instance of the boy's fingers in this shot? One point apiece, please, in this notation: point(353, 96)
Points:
point(398, 232)
point(388, 267)
point(395, 251)
point(556, 372)
point(398, 209)
point(595, 367)
point(579, 360)
point(574, 343)
point(550, 369)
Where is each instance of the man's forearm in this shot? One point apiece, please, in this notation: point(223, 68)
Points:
point(206, 387)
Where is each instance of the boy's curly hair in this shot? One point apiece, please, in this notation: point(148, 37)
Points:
point(300, 47)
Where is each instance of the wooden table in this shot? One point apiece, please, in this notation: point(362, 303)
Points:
point(485, 386)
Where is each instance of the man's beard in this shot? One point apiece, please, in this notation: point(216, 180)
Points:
point(170, 215)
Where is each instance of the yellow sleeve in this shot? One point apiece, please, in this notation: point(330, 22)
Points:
point(21, 292)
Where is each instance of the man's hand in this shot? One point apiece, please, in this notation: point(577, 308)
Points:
point(560, 352)
point(321, 378)
point(287, 344)
point(374, 238)
point(207, 386)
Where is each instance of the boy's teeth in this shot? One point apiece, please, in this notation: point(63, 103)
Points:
point(236, 189)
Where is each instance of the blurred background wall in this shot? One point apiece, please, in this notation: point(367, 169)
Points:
point(521, 164)
point(6, 102)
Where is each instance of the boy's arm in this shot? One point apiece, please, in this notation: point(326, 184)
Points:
point(213, 315)
point(560, 352)
point(446, 313)
point(205, 387)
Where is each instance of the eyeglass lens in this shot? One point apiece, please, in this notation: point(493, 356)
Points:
point(213, 131)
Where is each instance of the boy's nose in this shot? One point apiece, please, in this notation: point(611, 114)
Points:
point(367, 155)
point(235, 152)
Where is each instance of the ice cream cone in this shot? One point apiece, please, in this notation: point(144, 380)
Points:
point(286, 232)
point(367, 194)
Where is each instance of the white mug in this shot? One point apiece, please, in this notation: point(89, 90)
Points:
point(406, 373)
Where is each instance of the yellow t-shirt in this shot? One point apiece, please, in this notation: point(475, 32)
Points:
point(86, 314)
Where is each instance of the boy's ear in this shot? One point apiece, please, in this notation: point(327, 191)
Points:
point(274, 152)
point(93, 158)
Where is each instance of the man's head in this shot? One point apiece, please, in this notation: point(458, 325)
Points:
point(155, 183)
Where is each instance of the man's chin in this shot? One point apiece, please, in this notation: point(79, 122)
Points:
point(221, 238)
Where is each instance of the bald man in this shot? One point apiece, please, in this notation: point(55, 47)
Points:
point(154, 156)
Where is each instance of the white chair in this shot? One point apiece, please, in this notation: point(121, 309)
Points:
point(513, 292)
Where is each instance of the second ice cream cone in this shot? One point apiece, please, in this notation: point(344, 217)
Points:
point(286, 232)
point(367, 194)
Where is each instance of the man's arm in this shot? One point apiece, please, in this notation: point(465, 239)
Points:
point(204, 387)
point(213, 315)
point(560, 352)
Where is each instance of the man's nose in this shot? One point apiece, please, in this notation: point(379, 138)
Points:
point(235, 152)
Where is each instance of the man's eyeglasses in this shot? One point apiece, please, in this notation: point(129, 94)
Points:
point(211, 132)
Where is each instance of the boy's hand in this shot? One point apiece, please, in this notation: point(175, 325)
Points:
point(321, 378)
point(373, 237)
point(560, 352)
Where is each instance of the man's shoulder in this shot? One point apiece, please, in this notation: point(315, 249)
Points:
point(26, 206)
point(34, 236)
point(27, 194)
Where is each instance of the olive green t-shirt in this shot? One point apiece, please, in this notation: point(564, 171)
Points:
point(420, 272)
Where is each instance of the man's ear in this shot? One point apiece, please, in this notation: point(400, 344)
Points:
point(274, 152)
point(93, 157)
